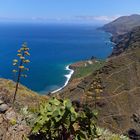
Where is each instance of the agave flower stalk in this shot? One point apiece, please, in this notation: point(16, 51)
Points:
point(20, 66)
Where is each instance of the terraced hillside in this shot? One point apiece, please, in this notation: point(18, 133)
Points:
point(118, 84)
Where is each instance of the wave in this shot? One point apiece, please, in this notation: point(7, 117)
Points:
point(68, 76)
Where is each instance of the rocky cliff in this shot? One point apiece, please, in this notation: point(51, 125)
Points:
point(126, 41)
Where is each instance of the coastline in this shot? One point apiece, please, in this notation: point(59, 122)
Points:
point(68, 77)
point(71, 69)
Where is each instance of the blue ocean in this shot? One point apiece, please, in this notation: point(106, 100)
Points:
point(52, 47)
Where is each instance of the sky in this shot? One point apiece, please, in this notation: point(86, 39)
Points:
point(66, 10)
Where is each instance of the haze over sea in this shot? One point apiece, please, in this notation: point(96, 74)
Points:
point(52, 48)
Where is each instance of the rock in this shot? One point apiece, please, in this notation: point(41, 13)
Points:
point(3, 108)
point(10, 114)
point(1, 119)
point(1, 102)
point(136, 118)
point(16, 132)
point(133, 134)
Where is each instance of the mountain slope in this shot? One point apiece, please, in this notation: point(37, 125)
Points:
point(123, 24)
point(13, 123)
point(128, 40)
point(119, 79)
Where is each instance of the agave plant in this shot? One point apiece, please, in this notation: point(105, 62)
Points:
point(20, 66)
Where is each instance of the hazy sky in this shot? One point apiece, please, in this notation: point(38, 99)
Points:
point(67, 10)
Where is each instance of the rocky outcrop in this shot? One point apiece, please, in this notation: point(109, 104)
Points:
point(13, 122)
point(126, 41)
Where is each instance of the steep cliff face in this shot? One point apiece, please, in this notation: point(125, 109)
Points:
point(122, 25)
point(119, 81)
point(126, 41)
point(125, 31)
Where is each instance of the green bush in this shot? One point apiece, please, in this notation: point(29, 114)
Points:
point(58, 120)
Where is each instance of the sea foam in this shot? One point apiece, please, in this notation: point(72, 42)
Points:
point(68, 76)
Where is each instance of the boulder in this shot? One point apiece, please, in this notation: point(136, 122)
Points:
point(3, 108)
point(1, 102)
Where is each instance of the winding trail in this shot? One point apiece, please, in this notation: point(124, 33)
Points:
point(127, 66)
point(117, 94)
point(118, 114)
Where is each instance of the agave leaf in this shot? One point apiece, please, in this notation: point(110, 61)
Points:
point(81, 134)
point(36, 128)
point(95, 112)
point(67, 103)
point(55, 113)
point(58, 118)
point(54, 101)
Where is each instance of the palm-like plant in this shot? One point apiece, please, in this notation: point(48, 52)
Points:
point(20, 66)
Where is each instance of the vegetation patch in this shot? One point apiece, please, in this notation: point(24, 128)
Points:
point(63, 120)
point(87, 68)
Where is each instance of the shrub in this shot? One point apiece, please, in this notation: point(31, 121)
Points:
point(57, 119)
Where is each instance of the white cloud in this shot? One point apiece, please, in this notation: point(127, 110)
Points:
point(106, 18)
point(98, 18)
point(86, 19)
